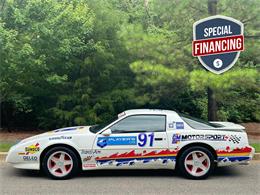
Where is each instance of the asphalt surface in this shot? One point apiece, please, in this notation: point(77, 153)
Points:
point(226, 180)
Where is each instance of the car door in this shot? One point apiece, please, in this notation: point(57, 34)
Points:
point(136, 141)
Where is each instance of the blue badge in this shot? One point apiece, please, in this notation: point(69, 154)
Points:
point(102, 142)
point(217, 42)
point(179, 125)
point(115, 141)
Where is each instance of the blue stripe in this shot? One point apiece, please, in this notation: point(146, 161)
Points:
point(234, 158)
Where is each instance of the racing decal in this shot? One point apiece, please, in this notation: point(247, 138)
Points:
point(176, 125)
point(30, 158)
point(90, 152)
point(141, 140)
point(237, 154)
point(235, 139)
point(171, 125)
point(89, 165)
point(179, 125)
point(176, 138)
point(116, 140)
point(87, 158)
point(60, 137)
point(217, 42)
point(31, 149)
point(129, 158)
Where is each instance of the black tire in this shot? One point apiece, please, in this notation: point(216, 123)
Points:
point(181, 162)
point(75, 167)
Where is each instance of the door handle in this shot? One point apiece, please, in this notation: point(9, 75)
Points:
point(158, 139)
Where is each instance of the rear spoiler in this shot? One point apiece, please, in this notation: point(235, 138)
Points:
point(228, 125)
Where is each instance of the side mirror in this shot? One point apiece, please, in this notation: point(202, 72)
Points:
point(107, 132)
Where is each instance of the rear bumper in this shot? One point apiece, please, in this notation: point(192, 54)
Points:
point(252, 153)
point(239, 157)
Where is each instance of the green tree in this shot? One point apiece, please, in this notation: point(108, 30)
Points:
point(41, 43)
point(162, 52)
point(78, 62)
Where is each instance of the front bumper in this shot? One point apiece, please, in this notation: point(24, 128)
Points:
point(17, 160)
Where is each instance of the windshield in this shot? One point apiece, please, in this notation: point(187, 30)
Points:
point(98, 127)
point(198, 123)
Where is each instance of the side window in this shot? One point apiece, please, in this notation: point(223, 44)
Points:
point(140, 123)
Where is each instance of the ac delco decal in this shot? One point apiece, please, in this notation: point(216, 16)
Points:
point(217, 42)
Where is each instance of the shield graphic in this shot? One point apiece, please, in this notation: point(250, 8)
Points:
point(217, 42)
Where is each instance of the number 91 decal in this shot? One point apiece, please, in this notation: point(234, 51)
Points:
point(143, 138)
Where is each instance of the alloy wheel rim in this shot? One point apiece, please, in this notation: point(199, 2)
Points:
point(197, 163)
point(60, 163)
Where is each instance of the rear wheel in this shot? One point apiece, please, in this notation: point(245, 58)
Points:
point(60, 163)
point(196, 162)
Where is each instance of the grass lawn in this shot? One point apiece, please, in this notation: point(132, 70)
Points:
point(4, 147)
point(256, 146)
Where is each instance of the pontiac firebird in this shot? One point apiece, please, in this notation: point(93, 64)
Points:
point(136, 139)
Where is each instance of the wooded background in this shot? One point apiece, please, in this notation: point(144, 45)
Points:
point(80, 62)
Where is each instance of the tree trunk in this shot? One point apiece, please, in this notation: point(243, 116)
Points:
point(212, 104)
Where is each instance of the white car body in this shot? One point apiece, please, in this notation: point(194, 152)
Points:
point(133, 150)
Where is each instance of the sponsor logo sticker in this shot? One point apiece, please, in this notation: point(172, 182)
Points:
point(32, 149)
point(89, 165)
point(30, 158)
point(60, 137)
point(90, 152)
point(177, 125)
point(113, 141)
point(87, 158)
point(176, 138)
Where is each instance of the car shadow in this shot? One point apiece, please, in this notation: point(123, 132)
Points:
point(26, 173)
point(229, 171)
point(218, 173)
point(130, 173)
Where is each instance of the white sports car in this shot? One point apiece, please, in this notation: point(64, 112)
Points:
point(137, 139)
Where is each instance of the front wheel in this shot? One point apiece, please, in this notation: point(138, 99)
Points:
point(196, 162)
point(60, 163)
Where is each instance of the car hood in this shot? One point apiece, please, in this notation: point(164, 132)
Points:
point(59, 132)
